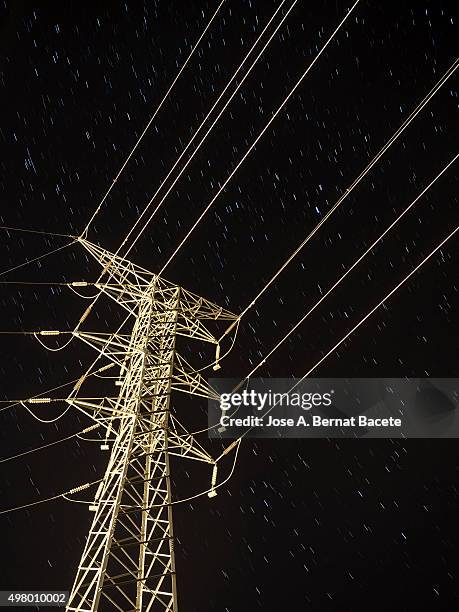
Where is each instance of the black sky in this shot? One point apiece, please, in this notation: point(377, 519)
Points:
point(304, 524)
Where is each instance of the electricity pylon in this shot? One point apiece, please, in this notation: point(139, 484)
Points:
point(128, 561)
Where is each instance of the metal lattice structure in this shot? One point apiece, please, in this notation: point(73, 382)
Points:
point(128, 561)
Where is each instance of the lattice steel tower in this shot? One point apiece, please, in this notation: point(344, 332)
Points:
point(128, 561)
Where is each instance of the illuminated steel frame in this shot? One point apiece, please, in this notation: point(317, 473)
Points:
point(128, 561)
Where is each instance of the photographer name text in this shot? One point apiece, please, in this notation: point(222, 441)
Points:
point(308, 421)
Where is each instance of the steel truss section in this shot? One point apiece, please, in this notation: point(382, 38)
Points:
point(128, 560)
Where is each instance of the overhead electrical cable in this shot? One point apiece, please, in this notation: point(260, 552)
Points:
point(236, 443)
point(75, 382)
point(39, 258)
point(349, 333)
point(338, 282)
point(212, 125)
point(443, 79)
point(52, 400)
point(30, 231)
point(257, 139)
point(50, 348)
point(48, 499)
point(403, 126)
point(68, 400)
point(356, 181)
point(43, 446)
point(349, 270)
point(152, 118)
point(196, 149)
point(94, 300)
point(85, 486)
point(449, 72)
point(366, 317)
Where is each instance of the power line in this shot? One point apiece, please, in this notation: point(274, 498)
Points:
point(381, 302)
point(212, 489)
point(405, 124)
point(37, 283)
point(52, 400)
point(30, 231)
point(76, 381)
point(260, 135)
point(107, 268)
point(451, 70)
point(253, 46)
point(443, 79)
point(39, 258)
point(337, 283)
point(63, 284)
point(48, 499)
point(30, 333)
point(53, 349)
point(168, 535)
point(152, 118)
point(39, 448)
point(312, 309)
point(349, 270)
point(365, 318)
point(203, 139)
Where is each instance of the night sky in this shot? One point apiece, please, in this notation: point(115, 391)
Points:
point(324, 525)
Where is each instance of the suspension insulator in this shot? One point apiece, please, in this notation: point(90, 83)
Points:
point(217, 365)
point(86, 313)
point(213, 482)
